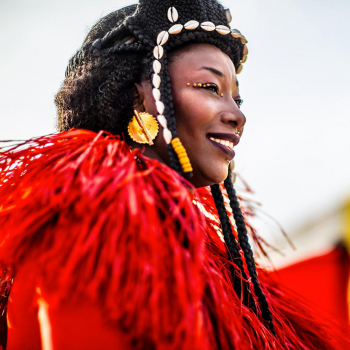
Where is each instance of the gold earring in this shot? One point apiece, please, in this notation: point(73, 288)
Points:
point(143, 128)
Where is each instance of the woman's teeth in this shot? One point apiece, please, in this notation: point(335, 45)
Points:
point(226, 143)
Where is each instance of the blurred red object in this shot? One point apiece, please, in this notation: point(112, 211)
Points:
point(323, 280)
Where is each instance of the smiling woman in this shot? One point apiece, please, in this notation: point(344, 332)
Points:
point(110, 235)
point(206, 104)
point(208, 119)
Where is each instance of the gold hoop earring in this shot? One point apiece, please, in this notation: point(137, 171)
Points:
point(143, 128)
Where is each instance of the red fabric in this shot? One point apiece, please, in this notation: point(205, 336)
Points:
point(322, 280)
point(105, 224)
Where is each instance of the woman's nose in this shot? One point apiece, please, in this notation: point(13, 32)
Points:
point(234, 116)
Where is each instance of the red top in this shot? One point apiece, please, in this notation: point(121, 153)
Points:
point(112, 253)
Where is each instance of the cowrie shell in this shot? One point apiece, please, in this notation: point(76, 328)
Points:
point(190, 25)
point(223, 30)
point(162, 37)
point(244, 58)
point(243, 40)
point(236, 33)
point(160, 107)
point(245, 50)
point(162, 121)
point(156, 94)
point(157, 66)
point(228, 15)
point(167, 136)
point(158, 52)
point(208, 26)
point(239, 69)
point(156, 81)
point(175, 29)
point(173, 15)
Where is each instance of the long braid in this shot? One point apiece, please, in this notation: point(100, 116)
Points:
point(233, 250)
point(167, 99)
point(248, 253)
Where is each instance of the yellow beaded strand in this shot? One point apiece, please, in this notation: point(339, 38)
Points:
point(182, 155)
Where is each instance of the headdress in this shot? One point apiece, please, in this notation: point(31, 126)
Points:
point(155, 27)
point(159, 26)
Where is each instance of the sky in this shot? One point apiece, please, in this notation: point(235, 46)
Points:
point(295, 85)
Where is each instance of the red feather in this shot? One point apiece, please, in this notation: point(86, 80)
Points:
point(105, 222)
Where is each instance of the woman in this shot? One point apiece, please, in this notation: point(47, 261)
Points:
point(101, 234)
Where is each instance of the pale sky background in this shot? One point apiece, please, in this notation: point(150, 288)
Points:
point(295, 86)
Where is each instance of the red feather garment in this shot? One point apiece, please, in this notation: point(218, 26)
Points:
point(124, 226)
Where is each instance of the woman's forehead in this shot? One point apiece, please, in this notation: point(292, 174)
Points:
point(206, 57)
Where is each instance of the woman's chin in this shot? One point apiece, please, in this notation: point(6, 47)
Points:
point(209, 177)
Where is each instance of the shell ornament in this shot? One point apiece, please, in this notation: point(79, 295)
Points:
point(158, 53)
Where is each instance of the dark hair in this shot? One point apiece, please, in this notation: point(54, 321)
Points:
point(99, 90)
point(247, 251)
point(239, 278)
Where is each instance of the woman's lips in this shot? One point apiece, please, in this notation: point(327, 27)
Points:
point(229, 152)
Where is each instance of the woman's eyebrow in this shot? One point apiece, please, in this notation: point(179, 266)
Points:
point(213, 70)
point(217, 72)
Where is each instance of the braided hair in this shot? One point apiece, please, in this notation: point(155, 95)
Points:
point(247, 251)
point(120, 50)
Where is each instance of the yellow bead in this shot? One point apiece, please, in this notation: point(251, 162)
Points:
point(184, 158)
point(181, 152)
point(184, 161)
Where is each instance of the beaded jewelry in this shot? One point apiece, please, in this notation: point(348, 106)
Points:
point(158, 53)
point(205, 86)
point(182, 155)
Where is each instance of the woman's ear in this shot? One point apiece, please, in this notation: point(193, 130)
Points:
point(139, 96)
point(143, 98)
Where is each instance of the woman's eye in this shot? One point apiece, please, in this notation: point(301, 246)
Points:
point(239, 102)
point(212, 87)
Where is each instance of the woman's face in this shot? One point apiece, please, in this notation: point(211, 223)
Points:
point(209, 121)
